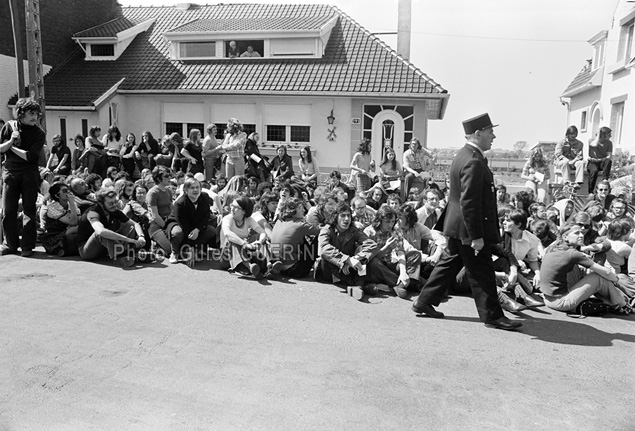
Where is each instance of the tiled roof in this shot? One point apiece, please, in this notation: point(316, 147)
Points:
point(254, 24)
point(582, 81)
point(354, 62)
point(109, 29)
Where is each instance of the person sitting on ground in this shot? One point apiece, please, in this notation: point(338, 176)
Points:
point(522, 200)
point(251, 189)
point(526, 249)
point(394, 201)
point(265, 212)
point(319, 215)
point(430, 243)
point(111, 174)
point(618, 255)
point(619, 211)
point(343, 251)
point(363, 215)
point(241, 252)
point(376, 197)
point(124, 191)
point(188, 225)
point(336, 181)
point(94, 182)
point(603, 194)
point(221, 183)
point(502, 197)
point(63, 154)
point(62, 218)
point(541, 229)
point(564, 285)
point(565, 208)
point(293, 252)
point(160, 205)
point(105, 230)
point(429, 213)
point(137, 210)
point(341, 194)
point(83, 198)
point(395, 261)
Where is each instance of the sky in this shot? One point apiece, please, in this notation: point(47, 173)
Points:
point(510, 58)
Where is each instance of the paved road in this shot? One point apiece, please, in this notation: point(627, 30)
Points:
point(88, 346)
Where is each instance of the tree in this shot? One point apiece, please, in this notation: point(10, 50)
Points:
point(520, 145)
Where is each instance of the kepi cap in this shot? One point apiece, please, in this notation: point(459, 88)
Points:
point(480, 122)
point(199, 177)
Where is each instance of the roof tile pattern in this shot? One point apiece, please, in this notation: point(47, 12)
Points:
point(254, 24)
point(582, 79)
point(354, 61)
point(109, 29)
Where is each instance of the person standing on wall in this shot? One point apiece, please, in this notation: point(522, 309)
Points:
point(22, 142)
point(470, 221)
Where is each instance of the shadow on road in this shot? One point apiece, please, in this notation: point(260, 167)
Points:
point(562, 331)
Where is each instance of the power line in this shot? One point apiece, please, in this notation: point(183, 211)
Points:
point(514, 39)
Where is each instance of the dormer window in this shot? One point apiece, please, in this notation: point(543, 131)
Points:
point(108, 41)
point(197, 50)
point(105, 50)
point(253, 38)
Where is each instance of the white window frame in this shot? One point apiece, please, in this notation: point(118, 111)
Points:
point(287, 134)
point(584, 120)
point(181, 57)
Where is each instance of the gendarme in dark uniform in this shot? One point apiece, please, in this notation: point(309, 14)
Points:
point(470, 221)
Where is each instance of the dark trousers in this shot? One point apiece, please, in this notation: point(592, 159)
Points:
point(25, 184)
point(328, 270)
point(388, 272)
point(303, 266)
point(594, 168)
point(179, 239)
point(480, 273)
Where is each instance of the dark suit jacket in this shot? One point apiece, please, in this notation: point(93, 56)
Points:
point(471, 210)
point(190, 217)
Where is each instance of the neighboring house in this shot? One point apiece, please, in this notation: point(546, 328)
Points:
point(603, 93)
point(59, 20)
point(167, 69)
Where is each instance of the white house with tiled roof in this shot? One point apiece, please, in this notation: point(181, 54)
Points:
point(167, 69)
point(603, 93)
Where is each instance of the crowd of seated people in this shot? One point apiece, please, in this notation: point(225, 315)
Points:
point(262, 218)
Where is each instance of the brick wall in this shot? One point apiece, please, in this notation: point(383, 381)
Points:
point(59, 19)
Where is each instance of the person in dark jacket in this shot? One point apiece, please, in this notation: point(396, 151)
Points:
point(21, 144)
point(470, 221)
point(188, 225)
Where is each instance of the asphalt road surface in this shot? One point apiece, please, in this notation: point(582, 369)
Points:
point(90, 346)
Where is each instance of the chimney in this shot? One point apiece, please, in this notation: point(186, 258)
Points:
point(403, 28)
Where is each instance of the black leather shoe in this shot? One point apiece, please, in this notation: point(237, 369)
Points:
point(509, 304)
point(524, 298)
point(427, 309)
point(504, 323)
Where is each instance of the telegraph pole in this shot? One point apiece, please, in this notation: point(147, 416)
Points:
point(34, 55)
point(17, 43)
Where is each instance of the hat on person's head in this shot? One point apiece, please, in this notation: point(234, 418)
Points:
point(480, 122)
point(199, 177)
